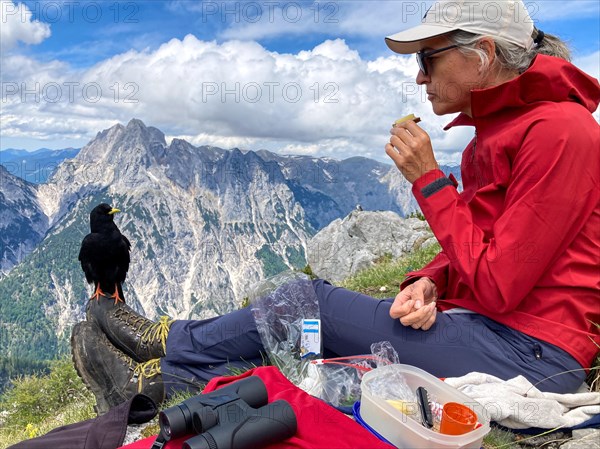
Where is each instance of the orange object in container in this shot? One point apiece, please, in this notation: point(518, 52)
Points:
point(457, 419)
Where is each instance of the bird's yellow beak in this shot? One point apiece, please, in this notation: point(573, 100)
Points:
point(114, 211)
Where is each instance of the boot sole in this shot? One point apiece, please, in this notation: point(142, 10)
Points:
point(102, 406)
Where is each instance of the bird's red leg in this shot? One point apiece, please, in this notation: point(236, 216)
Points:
point(97, 293)
point(116, 296)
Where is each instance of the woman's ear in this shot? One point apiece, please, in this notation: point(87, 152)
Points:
point(488, 46)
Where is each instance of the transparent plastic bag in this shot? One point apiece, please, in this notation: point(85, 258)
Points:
point(281, 305)
point(390, 385)
point(337, 380)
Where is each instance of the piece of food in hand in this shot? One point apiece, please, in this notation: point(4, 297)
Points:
point(406, 118)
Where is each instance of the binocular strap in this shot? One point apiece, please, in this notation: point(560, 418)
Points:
point(159, 442)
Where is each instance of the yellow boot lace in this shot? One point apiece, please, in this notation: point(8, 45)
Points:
point(146, 370)
point(158, 332)
point(153, 331)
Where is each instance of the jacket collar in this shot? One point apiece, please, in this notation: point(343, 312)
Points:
point(547, 79)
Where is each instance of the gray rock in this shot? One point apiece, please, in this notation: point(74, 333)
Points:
point(347, 246)
point(584, 439)
point(552, 440)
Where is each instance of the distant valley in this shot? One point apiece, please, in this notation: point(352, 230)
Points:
point(34, 166)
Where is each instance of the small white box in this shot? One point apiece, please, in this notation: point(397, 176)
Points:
point(404, 432)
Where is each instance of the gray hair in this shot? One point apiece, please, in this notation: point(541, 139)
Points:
point(510, 56)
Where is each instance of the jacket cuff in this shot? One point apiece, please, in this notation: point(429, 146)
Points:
point(415, 276)
point(430, 183)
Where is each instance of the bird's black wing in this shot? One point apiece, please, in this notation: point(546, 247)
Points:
point(86, 256)
point(122, 258)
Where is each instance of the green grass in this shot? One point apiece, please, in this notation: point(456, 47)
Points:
point(499, 439)
point(37, 404)
point(383, 280)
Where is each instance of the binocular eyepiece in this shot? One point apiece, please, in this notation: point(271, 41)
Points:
point(237, 416)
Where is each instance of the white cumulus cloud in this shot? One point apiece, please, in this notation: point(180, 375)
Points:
point(328, 100)
point(17, 26)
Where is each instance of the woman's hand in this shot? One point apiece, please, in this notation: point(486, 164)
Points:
point(415, 305)
point(410, 149)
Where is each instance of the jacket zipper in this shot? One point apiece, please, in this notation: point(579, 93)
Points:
point(474, 147)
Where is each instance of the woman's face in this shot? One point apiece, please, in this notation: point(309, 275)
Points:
point(451, 77)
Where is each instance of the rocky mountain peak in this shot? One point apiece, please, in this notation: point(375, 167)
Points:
point(152, 134)
point(115, 142)
point(205, 224)
point(119, 157)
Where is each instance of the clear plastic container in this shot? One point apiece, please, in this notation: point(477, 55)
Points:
point(405, 432)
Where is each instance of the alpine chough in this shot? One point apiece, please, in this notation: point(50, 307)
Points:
point(104, 254)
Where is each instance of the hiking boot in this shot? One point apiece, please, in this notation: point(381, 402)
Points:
point(138, 337)
point(111, 376)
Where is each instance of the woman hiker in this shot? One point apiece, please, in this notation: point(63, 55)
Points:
point(515, 289)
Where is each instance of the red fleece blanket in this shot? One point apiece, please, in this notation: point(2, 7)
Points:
point(319, 425)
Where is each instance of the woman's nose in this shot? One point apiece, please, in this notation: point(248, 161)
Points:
point(422, 78)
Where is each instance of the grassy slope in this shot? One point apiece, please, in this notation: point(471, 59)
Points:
point(37, 404)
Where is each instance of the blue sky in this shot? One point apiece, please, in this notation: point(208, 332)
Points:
point(295, 77)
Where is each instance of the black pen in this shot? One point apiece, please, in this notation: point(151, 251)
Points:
point(423, 399)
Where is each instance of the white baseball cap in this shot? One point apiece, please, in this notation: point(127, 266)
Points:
point(508, 19)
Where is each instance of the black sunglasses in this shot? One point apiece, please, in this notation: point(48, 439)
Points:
point(423, 55)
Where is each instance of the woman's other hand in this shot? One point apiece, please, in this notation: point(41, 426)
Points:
point(415, 305)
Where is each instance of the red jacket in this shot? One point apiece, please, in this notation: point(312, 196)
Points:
point(521, 243)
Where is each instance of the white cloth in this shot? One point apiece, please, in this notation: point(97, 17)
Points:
point(517, 404)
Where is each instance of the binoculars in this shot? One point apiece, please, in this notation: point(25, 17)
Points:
point(237, 416)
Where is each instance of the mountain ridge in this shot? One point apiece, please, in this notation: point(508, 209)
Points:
point(34, 166)
point(205, 224)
